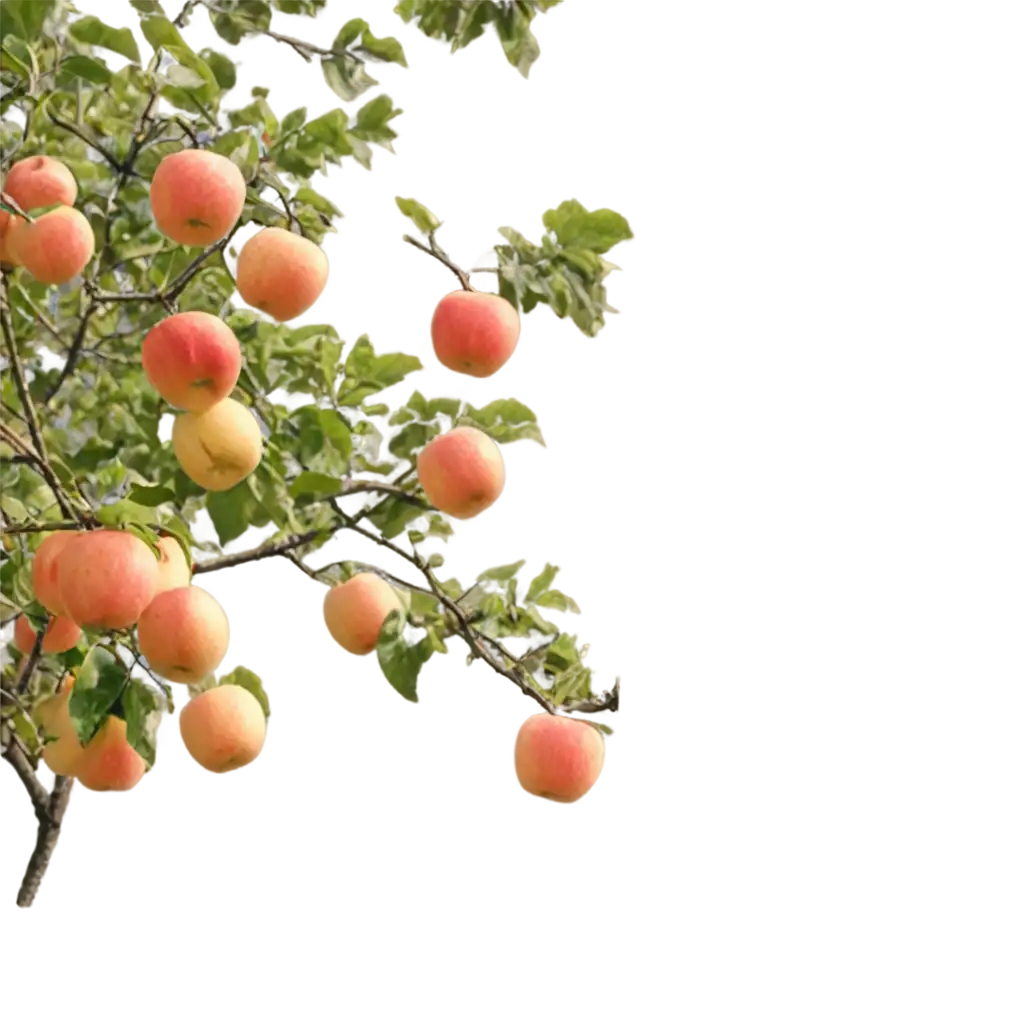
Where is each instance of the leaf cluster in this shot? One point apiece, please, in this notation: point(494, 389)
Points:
point(84, 438)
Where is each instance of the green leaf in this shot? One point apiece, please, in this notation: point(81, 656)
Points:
point(293, 121)
point(190, 72)
point(314, 486)
point(557, 600)
point(561, 654)
point(401, 662)
point(388, 49)
point(578, 225)
point(147, 6)
point(366, 372)
point(336, 431)
point(121, 513)
point(232, 511)
point(418, 214)
point(248, 680)
point(242, 18)
point(222, 68)
point(14, 63)
point(501, 573)
point(599, 726)
point(185, 488)
point(88, 68)
point(98, 686)
point(146, 534)
point(183, 77)
point(394, 515)
point(573, 684)
point(88, 30)
point(372, 122)
point(121, 39)
point(411, 438)
point(540, 587)
point(346, 76)
point(143, 709)
point(349, 33)
point(160, 32)
point(505, 420)
point(150, 497)
point(25, 18)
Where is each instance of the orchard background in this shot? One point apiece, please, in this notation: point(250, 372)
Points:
point(127, 224)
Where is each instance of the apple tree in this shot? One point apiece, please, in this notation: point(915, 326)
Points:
point(114, 277)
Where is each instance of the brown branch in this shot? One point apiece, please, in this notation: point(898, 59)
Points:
point(91, 142)
point(300, 46)
point(475, 639)
point(41, 316)
point(176, 287)
point(282, 547)
point(533, 651)
point(44, 527)
point(17, 442)
point(49, 808)
point(28, 406)
point(74, 352)
point(28, 666)
point(439, 254)
point(17, 759)
point(267, 551)
point(126, 170)
point(487, 648)
point(184, 13)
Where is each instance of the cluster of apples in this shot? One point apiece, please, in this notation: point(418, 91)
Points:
point(110, 580)
point(196, 198)
point(462, 474)
point(193, 359)
point(57, 245)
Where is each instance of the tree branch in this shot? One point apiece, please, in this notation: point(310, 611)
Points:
point(300, 46)
point(509, 666)
point(89, 141)
point(49, 809)
point(43, 527)
point(489, 649)
point(176, 287)
point(29, 409)
point(127, 170)
point(282, 547)
point(427, 250)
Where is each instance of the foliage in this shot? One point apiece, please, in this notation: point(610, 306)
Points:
point(340, 446)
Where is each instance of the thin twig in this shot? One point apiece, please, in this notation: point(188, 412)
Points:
point(28, 666)
point(439, 254)
point(300, 46)
point(127, 169)
point(44, 527)
point(510, 666)
point(91, 142)
point(263, 551)
point(29, 409)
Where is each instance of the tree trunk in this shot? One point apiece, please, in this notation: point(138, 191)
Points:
point(30, 826)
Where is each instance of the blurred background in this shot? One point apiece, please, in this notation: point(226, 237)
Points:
point(784, 486)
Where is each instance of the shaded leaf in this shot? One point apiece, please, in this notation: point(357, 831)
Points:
point(99, 682)
point(401, 662)
point(89, 68)
point(143, 709)
point(313, 486)
point(232, 511)
point(248, 680)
